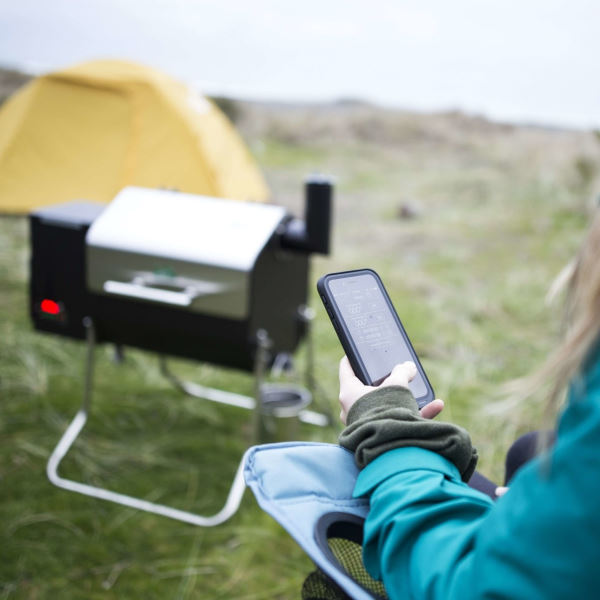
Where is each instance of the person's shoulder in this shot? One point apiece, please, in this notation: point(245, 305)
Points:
point(584, 388)
point(580, 419)
point(590, 371)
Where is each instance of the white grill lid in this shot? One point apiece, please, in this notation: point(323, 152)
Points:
point(186, 227)
point(181, 250)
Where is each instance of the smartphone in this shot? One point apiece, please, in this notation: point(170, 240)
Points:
point(369, 328)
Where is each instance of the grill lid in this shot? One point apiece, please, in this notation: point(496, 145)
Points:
point(184, 250)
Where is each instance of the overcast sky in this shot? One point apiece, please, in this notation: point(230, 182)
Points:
point(512, 60)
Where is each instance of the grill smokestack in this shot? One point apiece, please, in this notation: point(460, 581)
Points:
point(313, 234)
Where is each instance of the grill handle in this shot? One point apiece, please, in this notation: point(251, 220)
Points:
point(144, 292)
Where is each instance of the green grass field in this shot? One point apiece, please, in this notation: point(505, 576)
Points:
point(499, 211)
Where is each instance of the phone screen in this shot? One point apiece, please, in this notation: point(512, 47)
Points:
point(373, 327)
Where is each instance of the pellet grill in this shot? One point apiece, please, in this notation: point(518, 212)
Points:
point(209, 279)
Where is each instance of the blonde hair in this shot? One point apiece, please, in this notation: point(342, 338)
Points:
point(581, 327)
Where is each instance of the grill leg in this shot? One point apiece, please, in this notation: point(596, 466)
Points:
point(306, 314)
point(74, 429)
point(204, 392)
point(240, 400)
point(263, 343)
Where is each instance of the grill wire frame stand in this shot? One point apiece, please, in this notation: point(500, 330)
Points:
point(306, 315)
point(238, 485)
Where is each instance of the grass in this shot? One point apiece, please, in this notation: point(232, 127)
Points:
point(500, 211)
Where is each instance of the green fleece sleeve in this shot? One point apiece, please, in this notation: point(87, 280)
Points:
point(388, 418)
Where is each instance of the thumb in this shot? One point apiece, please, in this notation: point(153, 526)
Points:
point(401, 374)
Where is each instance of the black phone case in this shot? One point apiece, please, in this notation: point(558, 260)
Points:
point(346, 340)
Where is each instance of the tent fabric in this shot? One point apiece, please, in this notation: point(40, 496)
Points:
point(90, 130)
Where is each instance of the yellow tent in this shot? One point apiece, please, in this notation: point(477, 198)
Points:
point(87, 131)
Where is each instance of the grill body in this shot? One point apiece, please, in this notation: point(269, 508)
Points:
point(271, 287)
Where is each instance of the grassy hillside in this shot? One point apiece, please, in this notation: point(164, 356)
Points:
point(467, 221)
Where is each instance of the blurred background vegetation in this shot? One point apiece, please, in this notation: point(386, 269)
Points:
point(466, 220)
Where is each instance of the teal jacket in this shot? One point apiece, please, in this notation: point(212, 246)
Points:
point(428, 535)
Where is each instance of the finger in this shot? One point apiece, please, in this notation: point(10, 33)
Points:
point(412, 370)
point(433, 409)
point(345, 369)
point(348, 379)
point(351, 387)
point(401, 374)
point(406, 369)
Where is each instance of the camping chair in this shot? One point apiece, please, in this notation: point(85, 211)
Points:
point(307, 488)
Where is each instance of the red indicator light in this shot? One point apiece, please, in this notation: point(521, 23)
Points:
point(50, 307)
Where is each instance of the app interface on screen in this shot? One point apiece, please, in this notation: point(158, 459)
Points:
point(372, 327)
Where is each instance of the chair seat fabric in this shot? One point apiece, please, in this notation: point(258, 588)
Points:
point(298, 483)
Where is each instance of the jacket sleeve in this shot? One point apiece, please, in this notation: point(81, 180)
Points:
point(388, 418)
point(428, 535)
point(422, 523)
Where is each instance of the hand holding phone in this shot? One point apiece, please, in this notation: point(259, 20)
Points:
point(352, 388)
point(370, 330)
